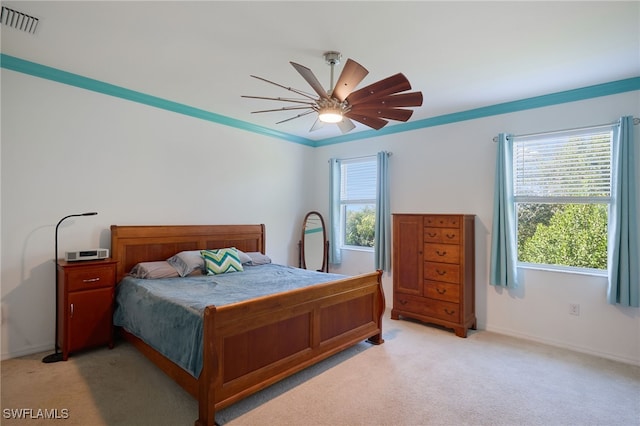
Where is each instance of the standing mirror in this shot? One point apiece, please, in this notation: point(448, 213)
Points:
point(314, 247)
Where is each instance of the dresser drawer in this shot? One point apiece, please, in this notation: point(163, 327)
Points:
point(433, 308)
point(442, 221)
point(442, 291)
point(442, 235)
point(445, 272)
point(444, 310)
point(447, 253)
point(91, 277)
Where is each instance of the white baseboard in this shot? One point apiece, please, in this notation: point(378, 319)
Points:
point(564, 345)
point(498, 330)
point(24, 352)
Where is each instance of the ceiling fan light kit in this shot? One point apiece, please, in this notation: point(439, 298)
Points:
point(330, 110)
point(330, 115)
point(372, 105)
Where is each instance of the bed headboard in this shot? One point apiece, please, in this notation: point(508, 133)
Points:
point(133, 244)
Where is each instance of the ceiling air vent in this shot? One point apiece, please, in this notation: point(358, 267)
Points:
point(18, 20)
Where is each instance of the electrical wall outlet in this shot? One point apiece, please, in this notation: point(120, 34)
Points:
point(574, 309)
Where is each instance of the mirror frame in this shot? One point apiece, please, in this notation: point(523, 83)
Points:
point(325, 249)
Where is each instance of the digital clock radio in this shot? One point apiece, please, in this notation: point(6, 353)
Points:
point(95, 254)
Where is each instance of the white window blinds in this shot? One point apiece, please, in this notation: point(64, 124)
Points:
point(572, 165)
point(358, 180)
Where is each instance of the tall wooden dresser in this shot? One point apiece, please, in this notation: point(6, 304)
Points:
point(434, 269)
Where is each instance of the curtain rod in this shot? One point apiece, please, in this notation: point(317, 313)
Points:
point(362, 156)
point(636, 121)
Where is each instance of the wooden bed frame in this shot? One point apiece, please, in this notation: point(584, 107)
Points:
point(253, 344)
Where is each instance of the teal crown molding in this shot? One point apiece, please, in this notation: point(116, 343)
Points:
point(53, 74)
point(605, 89)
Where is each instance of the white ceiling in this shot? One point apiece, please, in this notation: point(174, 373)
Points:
point(461, 55)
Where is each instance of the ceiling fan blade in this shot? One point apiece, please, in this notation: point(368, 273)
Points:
point(390, 85)
point(389, 113)
point(307, 74)
point(281, 109)
point(346, 125)
point(352, 74)
point(291, 89)
point(297, 116)
point(371, 121)
point(316, 125)
point(393, 101)
point(297, 101)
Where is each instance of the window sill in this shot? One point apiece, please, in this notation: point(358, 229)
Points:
point(564, 269)
point(356, 248)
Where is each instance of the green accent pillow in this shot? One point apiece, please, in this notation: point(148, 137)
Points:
point(221, 261)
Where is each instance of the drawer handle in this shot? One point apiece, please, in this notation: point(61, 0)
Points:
point(72, 310)
point(441, 273)
point(91, 280)
point(432, 234)
point(451, 236)
point(441, 290)
point(449, 312)
point(441, 253)
point(402, 302)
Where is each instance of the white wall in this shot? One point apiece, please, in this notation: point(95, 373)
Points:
point(450, 169)
point(67, 150)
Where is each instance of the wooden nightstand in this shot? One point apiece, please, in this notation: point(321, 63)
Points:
point(85, 304)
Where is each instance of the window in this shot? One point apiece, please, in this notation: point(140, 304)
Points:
point(562, 193)
point(358, 202)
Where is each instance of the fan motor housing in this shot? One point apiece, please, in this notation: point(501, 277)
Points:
point(332, 57)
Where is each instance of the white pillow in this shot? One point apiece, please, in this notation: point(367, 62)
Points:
point(187, 262)
point(258, 258)
point(154, 270)
point(244, 257)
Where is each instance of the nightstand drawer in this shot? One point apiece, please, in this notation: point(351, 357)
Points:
point(91, 277)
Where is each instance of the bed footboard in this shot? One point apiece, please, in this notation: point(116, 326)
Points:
point(251, 345)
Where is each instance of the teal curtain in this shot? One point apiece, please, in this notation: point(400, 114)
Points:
point(335, 255)
point(382, 239)
point(623, 256)
point(503, 268)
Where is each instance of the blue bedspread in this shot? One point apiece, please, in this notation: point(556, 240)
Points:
point(167, 313)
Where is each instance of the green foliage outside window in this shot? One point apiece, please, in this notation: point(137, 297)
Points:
point(360, 227)
point(549, 170)
point(563, 234)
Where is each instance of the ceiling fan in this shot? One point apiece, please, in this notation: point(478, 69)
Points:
point(372, 105)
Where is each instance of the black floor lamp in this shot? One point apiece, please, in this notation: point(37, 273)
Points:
point(57, 355)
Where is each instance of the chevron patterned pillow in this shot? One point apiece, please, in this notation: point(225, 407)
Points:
point(221, 261)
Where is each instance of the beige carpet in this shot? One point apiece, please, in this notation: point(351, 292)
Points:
point(421, 375)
